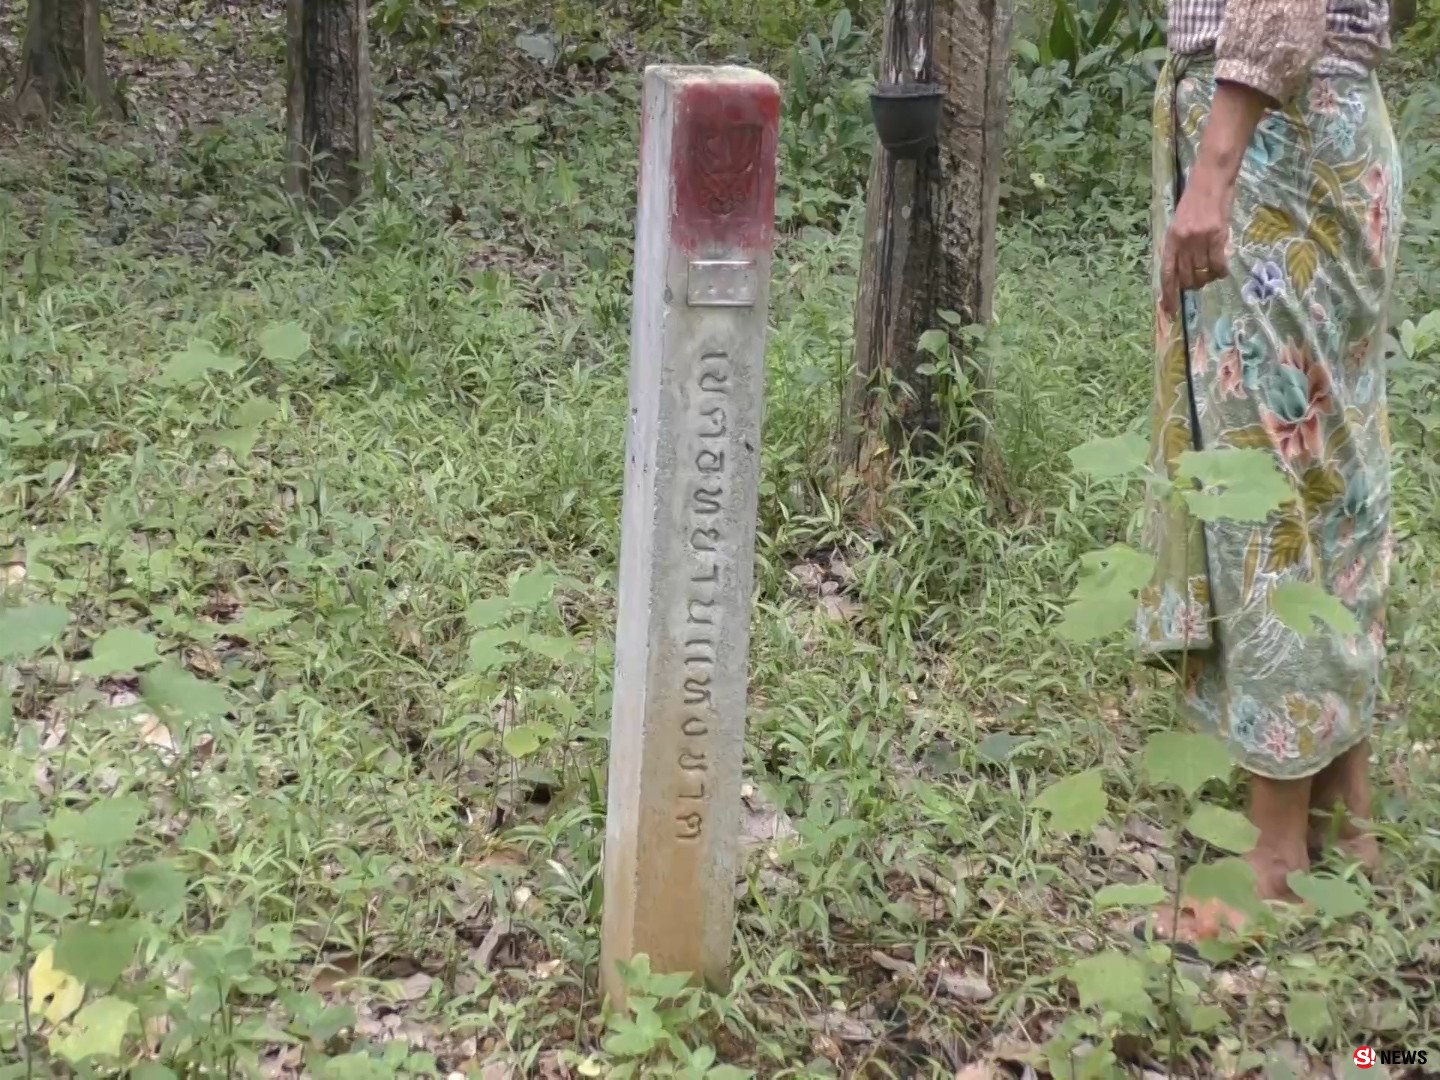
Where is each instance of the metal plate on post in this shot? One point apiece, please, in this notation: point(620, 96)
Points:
point(722, 283)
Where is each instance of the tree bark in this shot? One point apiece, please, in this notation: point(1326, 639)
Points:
point(330, 102)
point(929, 243)
point(63, 59)
point(1402, 14)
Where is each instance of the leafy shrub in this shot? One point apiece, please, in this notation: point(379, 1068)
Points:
point(825, 137)
point(1080, 113)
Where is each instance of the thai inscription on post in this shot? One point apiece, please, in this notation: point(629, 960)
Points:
point(708, 484)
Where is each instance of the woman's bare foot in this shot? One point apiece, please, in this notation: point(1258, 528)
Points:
point(1340, 805)
point(1280, 810)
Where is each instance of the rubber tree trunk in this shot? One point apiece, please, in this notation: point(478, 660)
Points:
point(330, 102)
point(929, 243)
point(1402, 14)
point(63, 59)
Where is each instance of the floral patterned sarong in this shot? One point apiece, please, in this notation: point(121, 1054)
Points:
point(1282, 355)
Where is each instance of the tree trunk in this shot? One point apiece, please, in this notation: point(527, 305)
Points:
point(1402, 14)
point(63, 59)
point(929, 242)
point(330, 102)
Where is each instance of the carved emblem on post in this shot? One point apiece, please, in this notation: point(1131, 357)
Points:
point(726, 159)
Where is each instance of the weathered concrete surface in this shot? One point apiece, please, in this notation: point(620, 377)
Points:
point(702, 269)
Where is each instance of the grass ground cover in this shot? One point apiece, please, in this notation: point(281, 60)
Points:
point(309, 560)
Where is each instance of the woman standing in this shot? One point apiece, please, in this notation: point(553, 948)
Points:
point(1275, 220)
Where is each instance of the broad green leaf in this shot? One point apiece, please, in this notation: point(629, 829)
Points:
point(1331, 896)
point(1203, 1018)
point(1107, 594)
point(96, 953)
point(549, 646)
point(1299, 604)
point(1224, 829)
point(25, 631)
point(98, 1030)
point(488, 611)
point(54, 994)
point(1231, 881)
point(1145, 894)
point(1307, 1014)
point(532, 589)
point(176, 694)
point(486, 654)
point(1186, 760)
point(239, 441)
point(1076, 804)
point(1218, 951)
point(122, 649)
point(257, 622)
point(999, 746)
point(284, 341)
point(355, 1065)
point(194, 363)
point(934, 342)
point(331, 1022)
point(151, 1070)
point(521, 741)
point(155, 887)
point(1239, 484)
point(253, 413)
point(106, 824)
point(1105, 459)
point(557, 700)
point(1113, 980)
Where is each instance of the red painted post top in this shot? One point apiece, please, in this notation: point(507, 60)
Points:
point(723, 165)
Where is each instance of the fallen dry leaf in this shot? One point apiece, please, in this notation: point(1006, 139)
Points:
point(548, 969)
point(762, 822)
point(844, 1027)
point(281, 1062)
point(500, 858)
point(963, 987)
point(1137, 828)
point(334, 972)
point(894, 965)
point(809, 575)
point(122, 699)
point(840, 608)
point(154, 733)
point(978, 1071)
point(1017, 1051)
point(204, 662)
point(483, 955)
point(552, 1066)
point(54, 994)
point(413, 987)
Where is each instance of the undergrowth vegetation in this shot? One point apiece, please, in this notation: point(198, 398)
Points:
point(308, 537)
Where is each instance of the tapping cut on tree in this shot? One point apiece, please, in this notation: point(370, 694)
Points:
point(62, 60)
point(329, 102)
point(929, 245)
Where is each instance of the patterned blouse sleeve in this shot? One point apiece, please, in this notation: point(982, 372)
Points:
point(1270, 45)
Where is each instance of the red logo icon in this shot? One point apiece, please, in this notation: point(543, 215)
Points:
point(1364, 1058)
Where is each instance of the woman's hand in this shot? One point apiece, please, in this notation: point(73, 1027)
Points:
point(1195, 251)
point(1195, 247)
